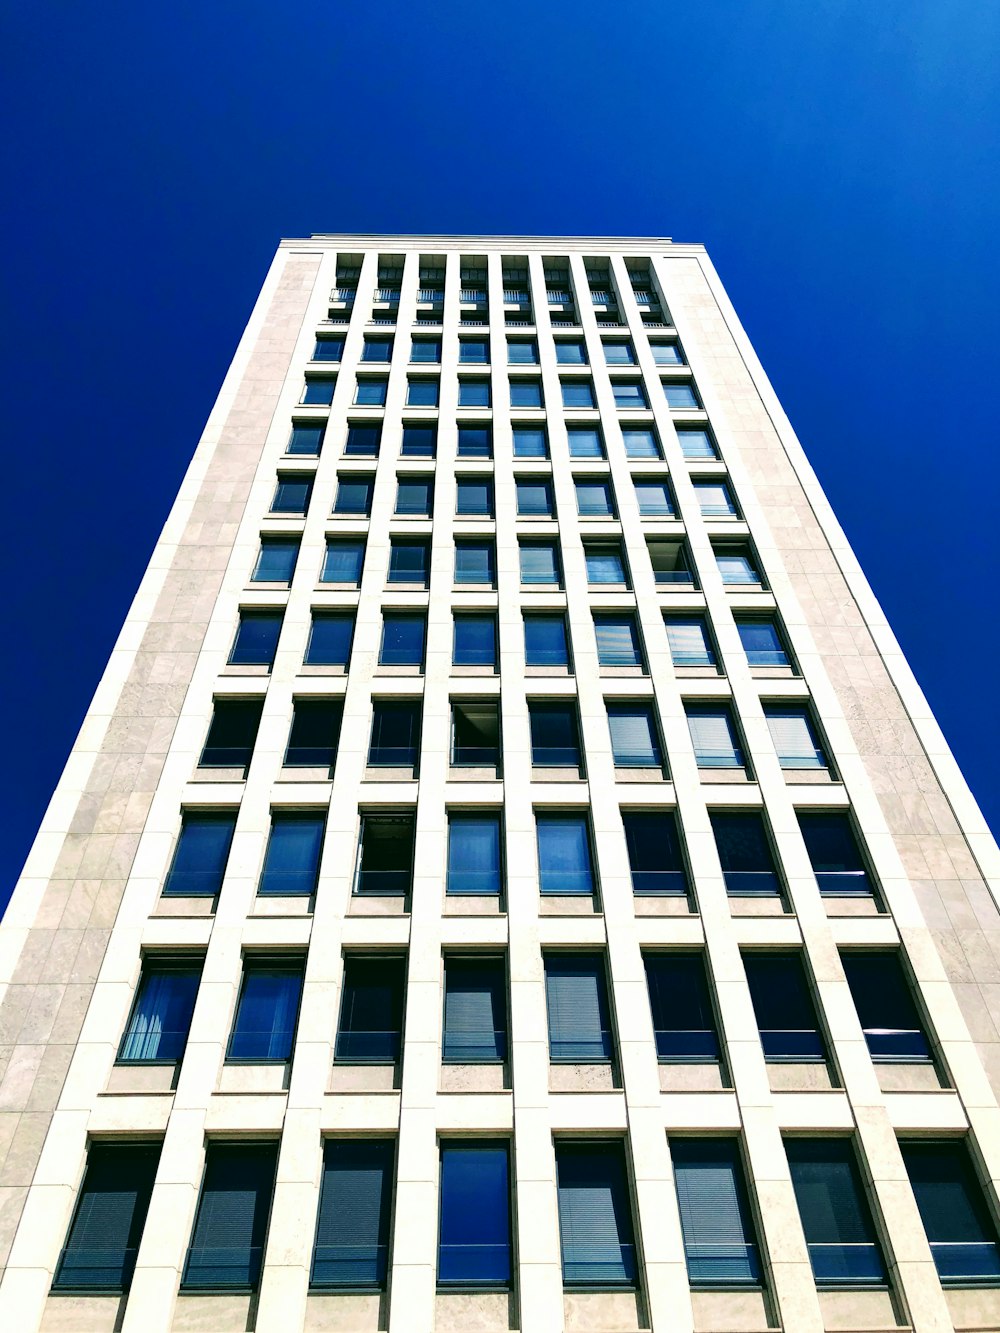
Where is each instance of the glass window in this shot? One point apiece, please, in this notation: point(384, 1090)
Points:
point(605, 563)
point(371, 1011)
point(680, 396)
point(630, 395)
point(474, 1242)
point(956, 1217)
point(363, 439)
point(475, 640)
point(475, 1011)
point(555, 735)
point(403, 636)
point(545, 641)
point(577, 1000)
point(736, 565)
point(595, 1216)
point(232, 733)
point(719, 1242)
point(227, 1245)
point(426, 351)
point(377, 349)
point(306, 438)
point(534, 497)
point(690, 641)
point(318, 393)
point(571, 352)
point(276, 560)
point(385, 854)
point(421, 393)
point(618, 641)
point(667, 354)
point(655, 500)
point(681, 1004)
point(475, 442)
point(745, 852)
point(474, 853)
point(539, 562)
point(618, 353)
point(370, 393)
point(714, 736)
point(762, 643)
point(201, 854)
point(696, 444)
point(475, 734)
point(522, 352)
point(641, 442)
point(343, 561)
point(834, 853)
point(395, 741)
point(418, 441)
point(886, 1007)
point(635, 738)
point(256, 639)
point(715, 499)
point(474, 351)
point(593, 499)
point(474, 497)
point(786, 1016)
point(355, 1208)
point(530, 442)
point(526, 393)
point(291, 495)
point(473, 393)
point(670, 562)
point(794, 737)
point(315, 731)
point(267, 1012)
point(475, 562)
point(354, 494)
point(104, 1235)
point(291, 862)
point(409, 562)
point(564, 860)
point(654, 852)
point(330, 638)
point(836, 1219)
point(585, 442)
point(414, 496)
point(577, 393)
point(328, 349)
point(160, 1020)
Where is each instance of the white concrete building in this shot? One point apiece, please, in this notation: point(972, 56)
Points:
point(508, 876)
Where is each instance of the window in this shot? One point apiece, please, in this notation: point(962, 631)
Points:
point(629, 395)
point(377, 349)
point(343, 561)
point(418, 441)
point(475, 562)
point(292, 494)
point(577, 1000)
point(719, 1242)
point(714, 736)
point(641, 443)
point(306, 438)
point(267, 1012)
point(736, 565)
point(409, 561)
point(833, 851)
point(555, 735)
point(354, 494)
point(370, 393)
point(414, 496)
point(715, 500)
point(794, 737)
point(886, 1007)
point(475, 1011)
point(618, 353)
point(539, 562)
point(475, 640)
point(474, 1239)
point(530, 442)
point(276, 560)
point(201, 854)
point(534, 498)
point(654, 852)
point(667, 354)
point(291, 862)
point(363, 440)
point(593, 499)
point(328, 349)
point(227, 1246)
point(330, 639)
point(635, 737)
point(670, 563)
point(680, 396)
point(317, 392)
point(385, 854)
point(522, 352)
point(696, 444)
point(426, 351)
point(681, 1004)
point(475, 442)
point(595, 1215)
point(786, 1015)
point(565, 864)
point(315, 731)
point(475, 734)
point(745, 852)
point(474, 497)
point(618, 641)
point(371, 1011)
point(690, 641)
point(256, 639)
point(545, 641)
point(654, 497)
point(577, 393)
point(158, 1026)
point(956, 1217)
point(474, 351)
point(605, 563)
point(836, 1219)
point(585, 442)
point(355, 1207)
point(526, 393)
point(232, 734)
point(474, 853)
point(762, 643)
point(421, 393)
point(395, 741)
point(571, 352)
point(110, 1213)
point(403, 635)
point(473, 393)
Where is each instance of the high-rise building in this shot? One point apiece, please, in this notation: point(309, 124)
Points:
point(508, 876)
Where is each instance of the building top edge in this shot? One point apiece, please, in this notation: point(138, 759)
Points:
point(461, 238)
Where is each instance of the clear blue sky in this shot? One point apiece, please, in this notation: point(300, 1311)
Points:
point(839, 158)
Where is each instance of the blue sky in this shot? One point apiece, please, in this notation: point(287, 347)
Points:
point(837, 157)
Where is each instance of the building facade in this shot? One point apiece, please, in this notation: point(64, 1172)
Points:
point(508, 876)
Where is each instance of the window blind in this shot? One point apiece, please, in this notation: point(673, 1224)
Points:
point(158, 1026)
point(640, 443)
point(343, 562)
point(719, 1242)
point(714, 738)
point(579, 1022)
point(199, 862)
point(475, 1011)
point(564, 864)
point(267, 1012)
point(291, 862)
point(355, 1206)
point(475, 562)
point(534, 497)
point(585, 442)
point(794, 739)
point(227, 1246)
point(539, 563)
point(604, 564)
point(634, 739)
point(618, 642)
point(106, 1229)
point(595, 1215)
point(835, 1215)
point(690, 644)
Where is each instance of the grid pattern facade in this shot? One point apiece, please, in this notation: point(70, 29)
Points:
point(517, 815)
